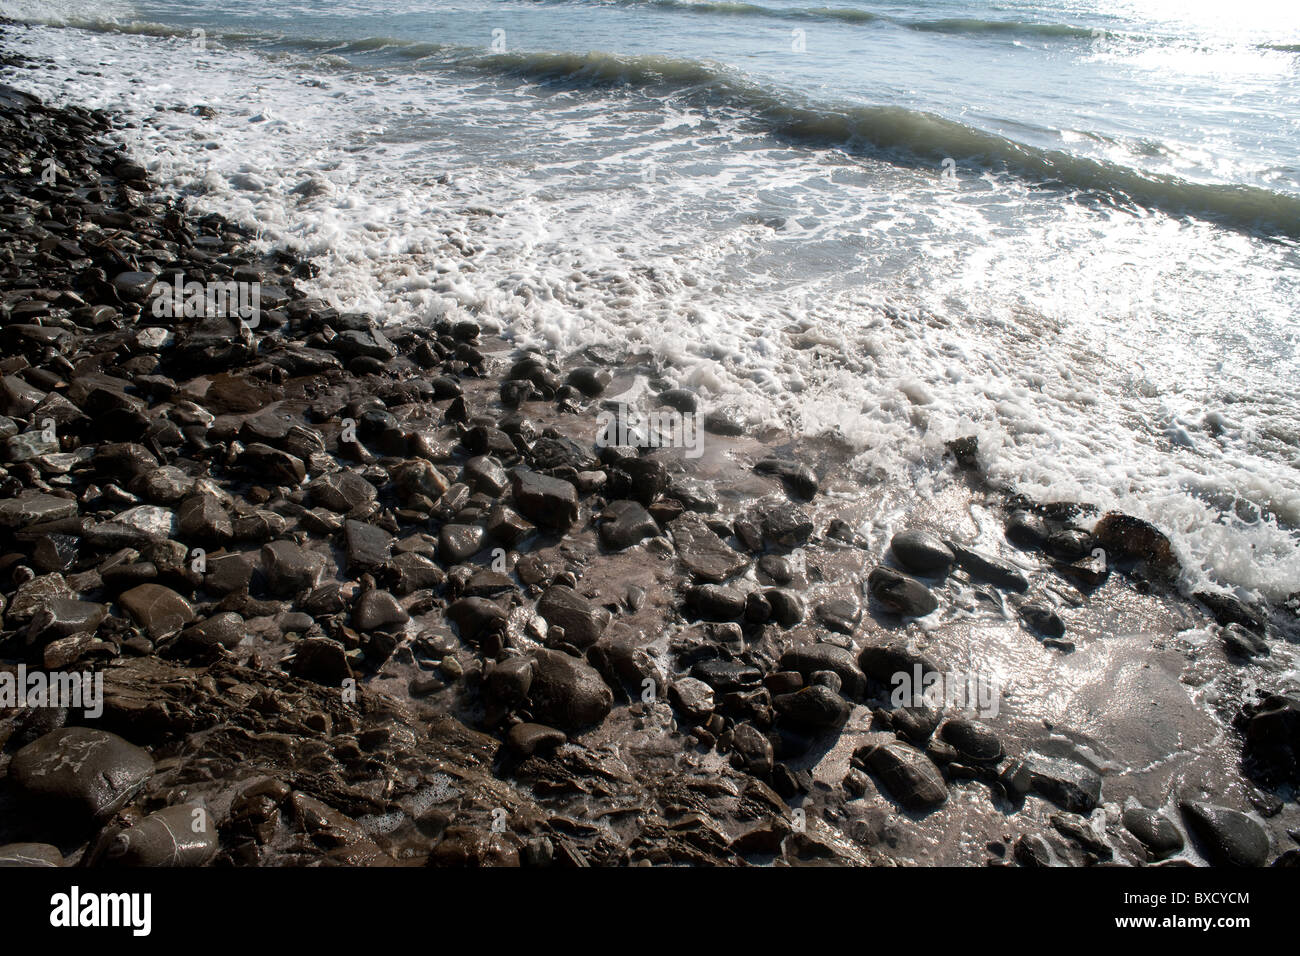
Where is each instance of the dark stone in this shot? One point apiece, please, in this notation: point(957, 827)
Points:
point(184, 835)
point(550, 502)
point(624, 524)
point(378, 611)
point(816, 706)
point(367, 547)
point(1155, 831)
point(582, 621)
point(811, 658)
point(882, 662)
point(798, 479)
point(529, 739)
point(1042, 619)
point(1230, 838)
point(703, 552)
point(90, 772)
point(900, 593)
point(972, 740)
point(159, 610)
point(715, 602)
point(475, 617)
point(984, 567)
point(907, 773)
point(566, 692)
point(1026, 530)
point(460, 542)
point(342, 491)
point(693, 697)
point(921, 552)
point(1128, 538)
point(724, 676)
point(321, 660)
point(291, 568)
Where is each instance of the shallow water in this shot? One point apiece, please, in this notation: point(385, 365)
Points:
point(1101, 284)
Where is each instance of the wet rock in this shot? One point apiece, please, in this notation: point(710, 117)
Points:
point(291, 568)
point(811, 658)
point(159, 610)
point(90, 772)
point(624, 524)
point(420, 477)
point(1241, 643)
point(1026, 530)
point(975, 742)
point(703, 552)
point(1230, 838)
point(367, 547)
point(460, 542)
point(549, 502)
point(321, 660)
point(1033, 850)
point(921, 552)
point(378, 610)
point(1041, 619)
point(31, 508)
point(184, 835)
point(785, 525)
point(714, 602)
point(484, 474)
point(589, 380)
point(1273, 735)
point(342, 491)
point(915, 722)
point(203, 519)
point(30, 854)
point(900, 593)
point(476, 617)
point(907, 773)
point(527, 739)
point(692, 696)
point(582, 621)
point(1069, 544)
point(638, 479)
point(62, 617)
point(1070, 785)
point(839, 614)
point(816, 706)
point(507, 526)
point(886, 661)
point(134, 286)
point(984, 567)
point(1228, 609)
point(1127, 538)
point(787, 606)
point(414, 572)
point(754, 748)
point(724, 676)
point(1155, 831)
point(224, 630)
point(798, 479)
point(566, 692)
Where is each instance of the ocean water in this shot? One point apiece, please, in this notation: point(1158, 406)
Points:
point(1070, 228)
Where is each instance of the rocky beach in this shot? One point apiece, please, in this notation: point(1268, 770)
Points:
point(366, 593)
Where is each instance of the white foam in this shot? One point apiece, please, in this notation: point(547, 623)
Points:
point(1085, 349)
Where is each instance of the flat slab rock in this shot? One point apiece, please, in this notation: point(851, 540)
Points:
point(91, 771)
point(703, 552)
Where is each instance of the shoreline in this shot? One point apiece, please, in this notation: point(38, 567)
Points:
point(354, 677)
